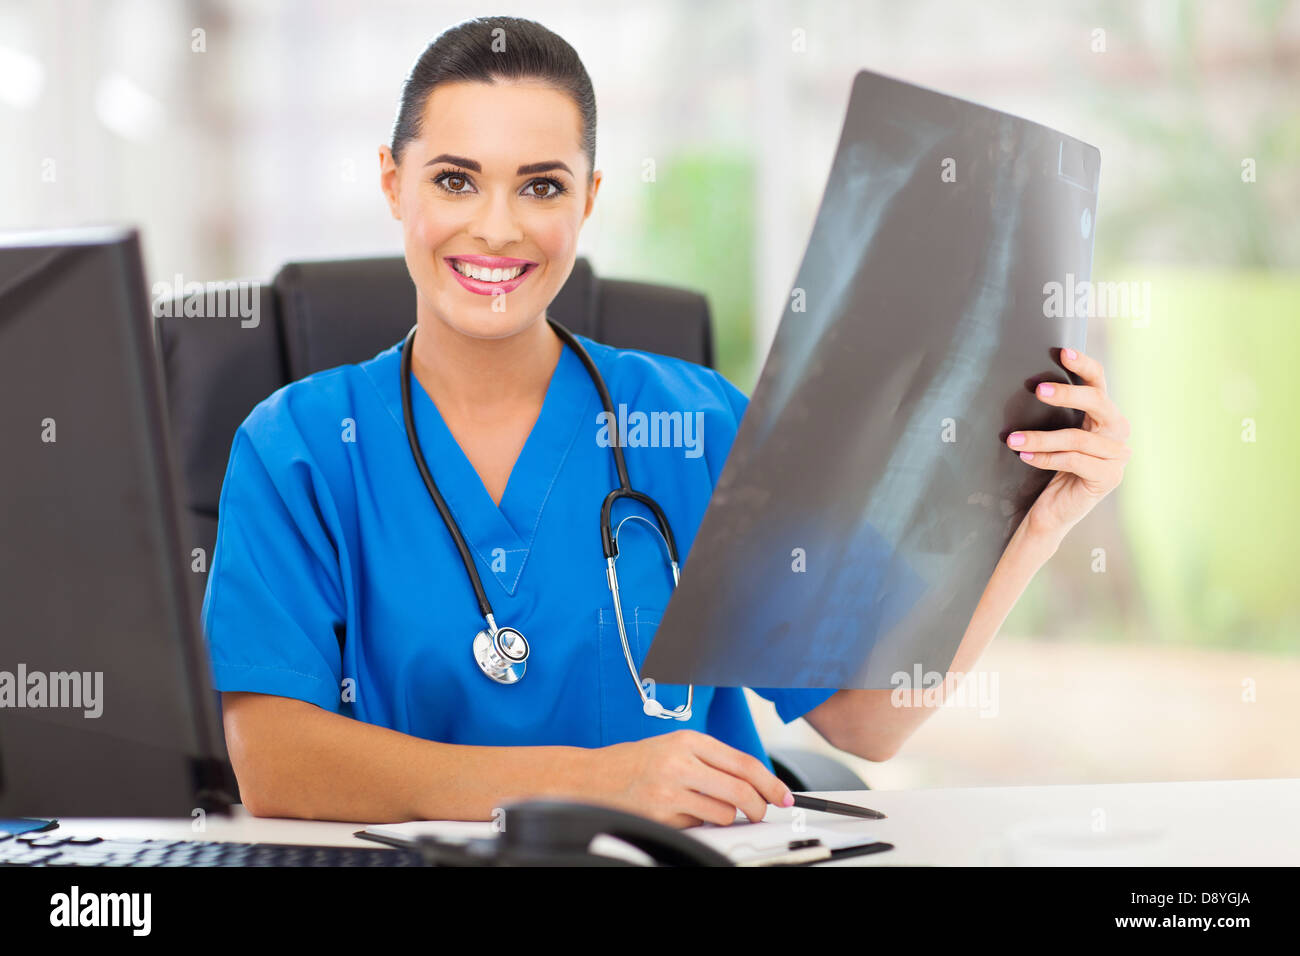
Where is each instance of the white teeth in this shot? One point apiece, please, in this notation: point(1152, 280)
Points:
point(485, 275)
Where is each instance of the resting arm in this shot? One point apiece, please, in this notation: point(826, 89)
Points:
point(293, 759)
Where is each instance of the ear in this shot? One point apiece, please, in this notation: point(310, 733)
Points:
point(390, 181)
point(591, 194)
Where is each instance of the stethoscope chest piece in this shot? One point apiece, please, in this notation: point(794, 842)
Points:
point(502, 654)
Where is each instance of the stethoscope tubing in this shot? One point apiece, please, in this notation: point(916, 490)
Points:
point(502, 653)
point(625, 489)
point(408, 414)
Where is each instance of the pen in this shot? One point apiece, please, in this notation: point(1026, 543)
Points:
point(830, 806)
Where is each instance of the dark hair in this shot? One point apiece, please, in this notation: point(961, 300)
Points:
point(475, 51)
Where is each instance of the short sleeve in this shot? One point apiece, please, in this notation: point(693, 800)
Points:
point(722, 436)
point(791, 703)
point(274, 606)
point(737, 399)
point(794, 702)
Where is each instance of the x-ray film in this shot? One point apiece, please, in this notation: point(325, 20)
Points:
point(869, 492)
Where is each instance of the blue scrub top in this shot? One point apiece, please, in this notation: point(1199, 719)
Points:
point(328, 537)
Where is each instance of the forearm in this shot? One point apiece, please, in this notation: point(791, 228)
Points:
point(1021, 560)
point(294, 759)
point(869, 724)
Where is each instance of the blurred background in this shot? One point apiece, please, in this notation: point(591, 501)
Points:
point(1161, 641)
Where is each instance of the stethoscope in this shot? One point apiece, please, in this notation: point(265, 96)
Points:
point(502, 652)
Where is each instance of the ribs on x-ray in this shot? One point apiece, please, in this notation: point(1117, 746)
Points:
point(870, 492)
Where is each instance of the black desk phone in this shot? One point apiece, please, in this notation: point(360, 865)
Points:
point(558, 833)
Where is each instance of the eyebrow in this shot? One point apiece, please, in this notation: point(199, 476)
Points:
point(525, 170)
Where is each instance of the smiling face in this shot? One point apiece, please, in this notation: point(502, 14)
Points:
point(494, 185)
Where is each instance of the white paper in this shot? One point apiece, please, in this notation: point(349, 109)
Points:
point(744, 841)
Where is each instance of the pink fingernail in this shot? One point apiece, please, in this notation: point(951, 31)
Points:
point(1026, 455)
point(1071, 354)
point(1047, 388)
point(788, 801)
point(1016, 438)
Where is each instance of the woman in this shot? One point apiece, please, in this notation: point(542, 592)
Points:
point(339, 610)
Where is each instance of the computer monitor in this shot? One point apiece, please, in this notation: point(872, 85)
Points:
point(106, 707)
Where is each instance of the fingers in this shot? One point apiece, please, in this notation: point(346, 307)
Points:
point(1086, 367)
point(1097, 471)
point(1096, 444)
point(740, 764)
point(709, 809)
point(1087, 398)
point(735, 777)
point(728, 792)
point(1096, 402)
point(683, 820)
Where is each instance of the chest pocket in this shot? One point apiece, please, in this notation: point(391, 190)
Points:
point(645, 585)
point(641, 623)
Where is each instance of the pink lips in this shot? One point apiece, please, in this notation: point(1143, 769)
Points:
point(480, 287)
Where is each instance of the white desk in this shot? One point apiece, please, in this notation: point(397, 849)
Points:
point(1213, 823)
point(1210, 823)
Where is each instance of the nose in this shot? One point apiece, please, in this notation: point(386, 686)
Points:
point(495, 222)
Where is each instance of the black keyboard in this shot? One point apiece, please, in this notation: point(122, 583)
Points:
point(50, 849)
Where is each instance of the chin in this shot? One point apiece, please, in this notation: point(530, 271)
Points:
point(486, 324)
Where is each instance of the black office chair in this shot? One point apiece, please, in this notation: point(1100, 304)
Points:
point(318, 315)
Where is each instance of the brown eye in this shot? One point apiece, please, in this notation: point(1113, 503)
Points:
point(456, 179)
point(553, 189)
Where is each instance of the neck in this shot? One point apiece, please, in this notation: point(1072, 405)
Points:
point(475, 379)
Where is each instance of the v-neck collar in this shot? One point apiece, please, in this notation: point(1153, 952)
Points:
point(501, 535)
